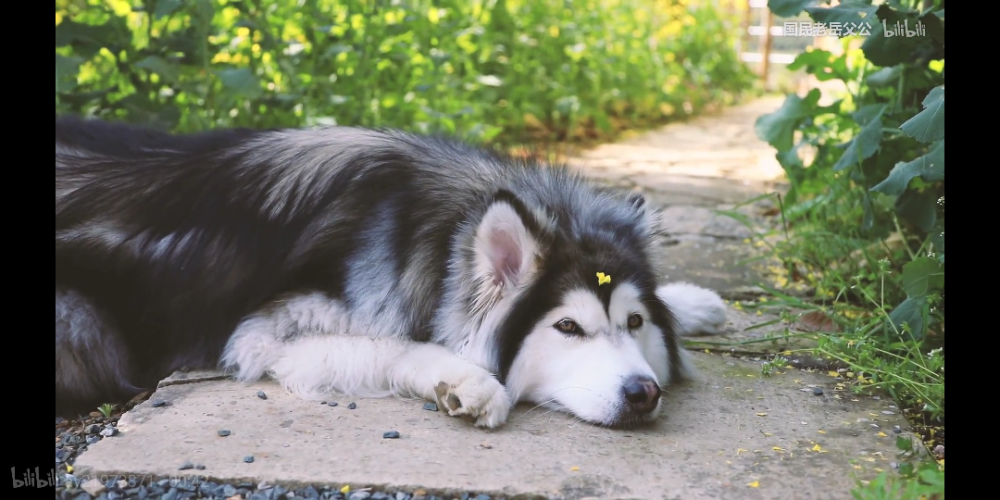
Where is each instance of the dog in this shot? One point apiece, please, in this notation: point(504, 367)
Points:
point(361, 262)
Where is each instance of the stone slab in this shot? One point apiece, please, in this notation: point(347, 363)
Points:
point(718, 436)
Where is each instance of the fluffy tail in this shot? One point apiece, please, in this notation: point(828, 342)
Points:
point(91, 361)
point(696, 311)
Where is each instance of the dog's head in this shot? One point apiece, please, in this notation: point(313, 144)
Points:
point(566, 289)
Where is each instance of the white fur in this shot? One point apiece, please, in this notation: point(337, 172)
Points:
point(584, 375)
point(696, 310)
point(309, 344)
point(312, 347)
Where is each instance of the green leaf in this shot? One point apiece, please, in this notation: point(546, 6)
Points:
point(928, 125)
point(66, 71)
point(777, 128)
point(929, 166)
point(866, 114)
point(910, 312)
point(788, 8)
point(937, 237)
point(852, 16)
point(897, 36)
point(921, 275)
point(885, 77)
point(866, 142)
point(918, 208)
point(904, 443)
point(822, 64)
point(242, 81)
point(166, 7)
point(166, 69)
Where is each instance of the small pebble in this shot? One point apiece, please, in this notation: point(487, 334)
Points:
point(92, 429)
point(884, 412)
point(332, 403)
point(359, 495)
point(261, 395)
point(896, 429)
point(390, 435)
point(200, 467)
point(248, 459)
point(186, 466)
point(431, 406)
point(109, 431)
point(352, 406)
point(158, 403)
point(818, 391)
point(224, 432)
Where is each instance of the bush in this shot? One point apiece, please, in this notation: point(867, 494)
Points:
point(544, 70)
point(866, 197)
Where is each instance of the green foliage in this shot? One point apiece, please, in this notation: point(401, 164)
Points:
point(106, 409)
point(925, 484)
point(566, 70)
point(866, 198)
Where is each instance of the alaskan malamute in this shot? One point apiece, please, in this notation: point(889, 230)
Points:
point(360, 262)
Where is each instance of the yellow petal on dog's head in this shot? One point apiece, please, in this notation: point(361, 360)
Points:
point(603, 278)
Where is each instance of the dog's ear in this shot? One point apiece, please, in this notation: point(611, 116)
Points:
point(506, 241)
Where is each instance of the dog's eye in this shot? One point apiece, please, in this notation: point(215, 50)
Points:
point(634, 321)
point(568, 326)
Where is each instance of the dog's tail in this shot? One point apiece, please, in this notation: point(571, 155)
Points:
point(91, 359)
point(696, 310)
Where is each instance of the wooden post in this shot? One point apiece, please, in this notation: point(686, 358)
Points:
point(766, 62)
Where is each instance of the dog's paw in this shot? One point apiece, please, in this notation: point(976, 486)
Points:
point(696, 310)
point(479, 399)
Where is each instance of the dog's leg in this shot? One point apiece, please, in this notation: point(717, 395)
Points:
point(460, 387)
point(695, 309)
point(305, 344)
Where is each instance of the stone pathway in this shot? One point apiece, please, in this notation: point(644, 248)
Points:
point(732, 434)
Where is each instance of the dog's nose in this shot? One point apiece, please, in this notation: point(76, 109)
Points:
point(642, 393)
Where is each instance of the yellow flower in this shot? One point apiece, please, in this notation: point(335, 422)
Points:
point(603, 278)
point(754, 484)
point(345, 489)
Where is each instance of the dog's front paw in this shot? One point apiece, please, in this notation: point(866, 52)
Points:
point(479, 399)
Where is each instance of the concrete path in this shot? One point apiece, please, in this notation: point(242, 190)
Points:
point(732, 434)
